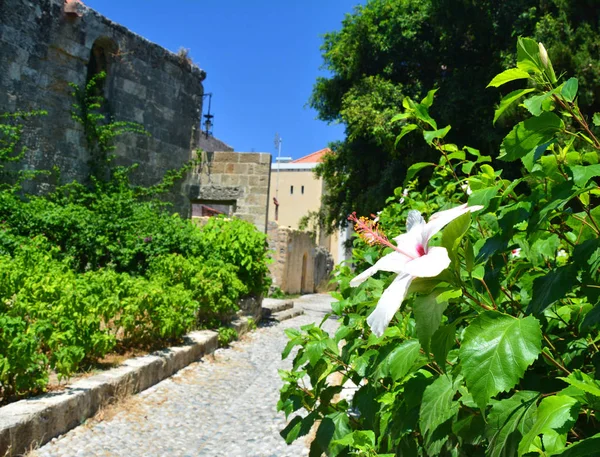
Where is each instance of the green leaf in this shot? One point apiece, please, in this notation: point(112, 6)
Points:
point(584, 382)
point(535, 105)
point(508, 100)
point(442, 342)
point(428, 100)
point(512, 74)
point(508, 421)
point(530, 134)
point(584, 448)
point(405, 130)
point(483, 196)
point(528, 55)
point(554, 413)
point(438, 405)
point(454, 233)
point(569, 90)
point(402, 358)
point(415, 168)
point(298, 426)
point(551, 287)
point(428, 317)
point(582, 174)
point(431, 135)
point(596, 119)
point(592, 317)
point(495, 352)
point(333, 427)
point(421, 112)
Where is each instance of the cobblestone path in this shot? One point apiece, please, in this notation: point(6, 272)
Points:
point(220, 406)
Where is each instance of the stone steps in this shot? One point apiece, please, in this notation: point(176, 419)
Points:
point(279, 310)
point(286, 314)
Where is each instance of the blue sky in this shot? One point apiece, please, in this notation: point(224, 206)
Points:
point(262, 58)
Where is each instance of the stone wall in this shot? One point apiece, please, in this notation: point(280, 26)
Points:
point(42, 50)
point(239, 180)
point(299, 265)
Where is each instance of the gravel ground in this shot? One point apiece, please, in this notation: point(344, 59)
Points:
point(223, 405)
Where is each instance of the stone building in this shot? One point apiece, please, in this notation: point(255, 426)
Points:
point(47, 44)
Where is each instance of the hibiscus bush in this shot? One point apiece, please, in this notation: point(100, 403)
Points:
point(474, 333)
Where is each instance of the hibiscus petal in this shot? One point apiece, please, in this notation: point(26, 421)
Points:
point(392, 262)
point(388, 304)
point(431, 264)
point(413, 219)
point(440, 219)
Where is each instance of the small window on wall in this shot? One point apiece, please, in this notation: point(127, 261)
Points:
point(302, 190)
point(100, 57)
point(291, 190)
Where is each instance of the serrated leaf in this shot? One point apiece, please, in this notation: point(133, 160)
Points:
point(584, 448)
point(554, 413)
point(584, 382)
point(596, 119)
point(438, 405)
point(530, 134)
point(431, 135)
point(428, 317)
point(551, 287)
point(508, 421)
point(582, 174)
point(535, 104)
point(483, 196)
point(402, 358)
point(508, 100)
point(569, 90)
point(298, 426)
point(333, 427)
point(441, 342)
point(495, 352)
point(512, 74)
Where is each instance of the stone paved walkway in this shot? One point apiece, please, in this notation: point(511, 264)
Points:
point(221, 406)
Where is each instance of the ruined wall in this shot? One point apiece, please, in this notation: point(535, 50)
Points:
point(299, 265)
point(42, 50)
point(237, 180)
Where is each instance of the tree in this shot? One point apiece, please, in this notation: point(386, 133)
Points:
point(391, 49)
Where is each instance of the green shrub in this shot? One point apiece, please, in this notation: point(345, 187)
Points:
point(238, 243)
point(492, 343)
point(226, 336)
point(103, 265)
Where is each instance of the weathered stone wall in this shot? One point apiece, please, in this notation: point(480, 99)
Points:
point(42, 50)
point(299, 265)
point(240, 179)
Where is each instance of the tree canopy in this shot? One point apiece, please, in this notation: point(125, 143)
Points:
point(387, 50)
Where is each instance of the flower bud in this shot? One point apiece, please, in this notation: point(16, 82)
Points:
point(543, 55)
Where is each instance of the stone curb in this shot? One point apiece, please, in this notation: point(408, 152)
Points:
point(30, 423)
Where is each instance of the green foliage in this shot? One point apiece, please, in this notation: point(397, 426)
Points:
point(102, 266)
point(497, 355)
point(226, 336)
point(388, 50)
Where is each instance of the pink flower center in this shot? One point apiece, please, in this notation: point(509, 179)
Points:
point(420, 250)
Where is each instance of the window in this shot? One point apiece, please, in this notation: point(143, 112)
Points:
point(99, 62)
point(291, 190)
point(302, 190)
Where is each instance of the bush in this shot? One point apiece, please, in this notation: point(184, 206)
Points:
point(103, 266)
point(491, 346)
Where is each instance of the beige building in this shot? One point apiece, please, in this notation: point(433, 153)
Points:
point(296, 191)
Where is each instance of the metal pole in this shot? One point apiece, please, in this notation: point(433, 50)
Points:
point(278, 141)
